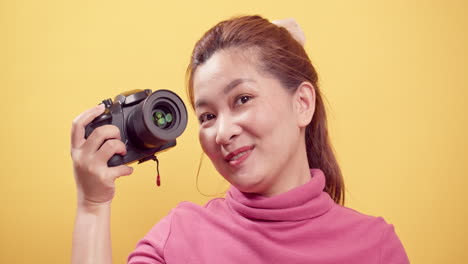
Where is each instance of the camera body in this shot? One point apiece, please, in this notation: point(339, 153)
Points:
point(148, 123)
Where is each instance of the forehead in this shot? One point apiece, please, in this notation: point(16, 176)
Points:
point(223, 67)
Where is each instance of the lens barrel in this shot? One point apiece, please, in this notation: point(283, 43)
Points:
point(160, 118)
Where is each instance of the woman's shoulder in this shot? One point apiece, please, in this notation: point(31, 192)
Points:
point(186, 209)
point(374, 228)
point(349, 216)
point(185, 214)
point(361, 224)
point(210, 205)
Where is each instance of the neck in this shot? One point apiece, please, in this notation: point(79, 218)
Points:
point(295, 174)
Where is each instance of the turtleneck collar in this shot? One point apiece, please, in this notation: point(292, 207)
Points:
point(303, 202)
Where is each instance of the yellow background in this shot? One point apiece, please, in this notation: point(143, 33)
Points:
point(394, 74)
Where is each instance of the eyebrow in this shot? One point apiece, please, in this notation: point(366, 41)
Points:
point(233, 84)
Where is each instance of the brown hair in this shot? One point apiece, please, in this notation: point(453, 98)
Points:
point(280, 55)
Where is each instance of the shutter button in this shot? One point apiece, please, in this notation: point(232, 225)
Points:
point(107, 102)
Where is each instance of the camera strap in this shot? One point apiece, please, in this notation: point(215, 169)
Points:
point(158, 178)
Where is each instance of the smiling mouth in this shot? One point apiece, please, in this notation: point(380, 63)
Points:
point(239, 155)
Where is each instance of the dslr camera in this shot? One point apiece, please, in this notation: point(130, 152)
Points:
point(148, 123)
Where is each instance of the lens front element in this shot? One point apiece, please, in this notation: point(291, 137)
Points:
point(162, 117)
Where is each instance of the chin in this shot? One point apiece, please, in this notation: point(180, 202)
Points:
point(247, 183)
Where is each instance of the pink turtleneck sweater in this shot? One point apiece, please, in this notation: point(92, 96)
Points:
point(302, 225)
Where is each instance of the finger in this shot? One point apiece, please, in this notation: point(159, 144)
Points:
point(98, 136)
point(110, 148)
point(119, 171)
point(79, 123)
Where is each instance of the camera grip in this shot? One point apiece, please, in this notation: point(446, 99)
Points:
point(115, 161)
point(104, 119)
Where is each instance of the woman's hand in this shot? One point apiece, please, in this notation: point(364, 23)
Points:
point(291, 25)
point(94, 179)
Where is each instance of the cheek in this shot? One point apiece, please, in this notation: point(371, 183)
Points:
point(262, 120)
point(207, 141)
point(274, 123)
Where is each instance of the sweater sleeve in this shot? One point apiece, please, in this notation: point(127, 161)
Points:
point(150, 249)
point(392, 250)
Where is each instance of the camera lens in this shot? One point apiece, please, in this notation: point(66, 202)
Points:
point(158, 119)
point(162, 117)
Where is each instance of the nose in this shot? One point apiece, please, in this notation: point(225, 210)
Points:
point(227, 130)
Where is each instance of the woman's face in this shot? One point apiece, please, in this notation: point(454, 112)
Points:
point(248, 125)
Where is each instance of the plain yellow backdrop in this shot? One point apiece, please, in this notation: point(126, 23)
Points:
point(394, 74)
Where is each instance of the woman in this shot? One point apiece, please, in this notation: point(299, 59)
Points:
point(263, 125)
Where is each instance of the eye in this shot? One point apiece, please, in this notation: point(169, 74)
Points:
point(243, 99)
point(205, 117)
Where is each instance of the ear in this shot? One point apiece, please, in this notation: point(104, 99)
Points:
point(304, 103)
